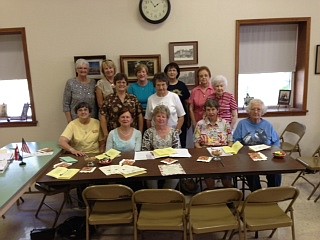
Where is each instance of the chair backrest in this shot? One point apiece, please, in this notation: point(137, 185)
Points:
point(158, 196)
point(107, 193)
point(24, 113)
point(272, 195)
point(295, 128)
point(216, 196)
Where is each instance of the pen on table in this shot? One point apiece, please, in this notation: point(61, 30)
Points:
point(221, 163)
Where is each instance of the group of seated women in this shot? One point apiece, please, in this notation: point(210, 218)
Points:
point(213, 114)
point(84, 135)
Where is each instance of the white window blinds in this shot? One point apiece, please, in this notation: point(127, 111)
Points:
point(12, 65)
point(268, 48)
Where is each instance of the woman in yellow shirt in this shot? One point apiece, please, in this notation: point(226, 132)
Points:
point(82, 135)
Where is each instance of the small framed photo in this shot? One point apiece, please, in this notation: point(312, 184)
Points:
point(183, 53)
point(284, 97)
point(94, 65)
point(317, 69)
point(128, 64)
point(188, 76)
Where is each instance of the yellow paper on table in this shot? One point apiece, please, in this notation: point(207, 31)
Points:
point(164, 152)
point(234, 149)
point(111, 154)
point(63, 172)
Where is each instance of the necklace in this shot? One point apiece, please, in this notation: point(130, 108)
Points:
point(125, 134)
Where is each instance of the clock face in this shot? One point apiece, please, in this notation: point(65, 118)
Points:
point(155, 11)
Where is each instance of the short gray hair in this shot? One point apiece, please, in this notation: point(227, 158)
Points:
point(220, 79)
point(80, 62)
point(257, 101)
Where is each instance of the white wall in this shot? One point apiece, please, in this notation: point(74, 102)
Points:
point(58, 30)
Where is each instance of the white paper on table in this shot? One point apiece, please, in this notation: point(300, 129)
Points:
point(172, 169)
point(6, 156)
point(210, 149)
point(181, 152)
point(112, 169)
point(143, 155)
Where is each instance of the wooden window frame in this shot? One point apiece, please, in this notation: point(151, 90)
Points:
point(33, 121)
point(299, 107)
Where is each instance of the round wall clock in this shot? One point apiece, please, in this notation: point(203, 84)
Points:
point(154, 11)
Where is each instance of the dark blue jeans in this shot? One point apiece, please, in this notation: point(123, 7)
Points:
point(274, 180)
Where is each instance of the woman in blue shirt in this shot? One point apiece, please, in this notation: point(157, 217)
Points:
point(256, 130)
point(125, 138)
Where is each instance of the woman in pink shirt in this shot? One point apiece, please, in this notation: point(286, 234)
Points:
point(200, 94)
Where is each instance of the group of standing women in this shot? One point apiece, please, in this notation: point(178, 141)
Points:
point(161, 110)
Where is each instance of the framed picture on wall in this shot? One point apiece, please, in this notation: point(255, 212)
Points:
point(317, 69)
point(183, 53)
point(94, 65)
point(284, 97)
point(188, 76)
point(128, 64)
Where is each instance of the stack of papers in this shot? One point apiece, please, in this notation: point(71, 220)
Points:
point(172, 169)
point(223, 153)
point(68, 159)
point(87, 169)
point(234, 149)
point(125, 170)
point(110, 154)
point(3, 165)
point(260, 147)
point(62, 173)
point(204, 159)
point(178, 152)
point(164, 152)
point(257, 156)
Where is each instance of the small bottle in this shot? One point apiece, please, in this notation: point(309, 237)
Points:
point(16, 153)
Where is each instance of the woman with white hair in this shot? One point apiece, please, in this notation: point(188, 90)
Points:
point(228, 107)
point(79, 89)
point(256, 130)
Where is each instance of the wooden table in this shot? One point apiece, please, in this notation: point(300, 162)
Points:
point(236, 165)
point(16, 180)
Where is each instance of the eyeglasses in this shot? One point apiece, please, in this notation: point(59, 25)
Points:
point(255, 110)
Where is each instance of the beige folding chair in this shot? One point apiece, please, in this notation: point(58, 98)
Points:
point(107, 205)
point(260, 211)
point(208, 212)
point(311, 164)
point(50, 191)
point(160, 210)
point(291, 136)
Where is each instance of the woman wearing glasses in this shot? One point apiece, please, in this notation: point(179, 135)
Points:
point(256, 130)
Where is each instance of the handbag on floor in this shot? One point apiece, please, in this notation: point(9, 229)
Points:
point(44, 233)
point(73, 228)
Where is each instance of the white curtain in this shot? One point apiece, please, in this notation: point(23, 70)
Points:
point(268, 48)
point(12, 65)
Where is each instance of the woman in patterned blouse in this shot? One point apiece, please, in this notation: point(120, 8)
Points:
point(79, 89)
point(161, 136)
point(114, 102)
point(213, 131)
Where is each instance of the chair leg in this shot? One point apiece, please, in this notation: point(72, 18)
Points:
point(317, 198)
point(60, 209)
point(297, 178)
point(314, 190)
point(256, 234)
point(40, 205)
